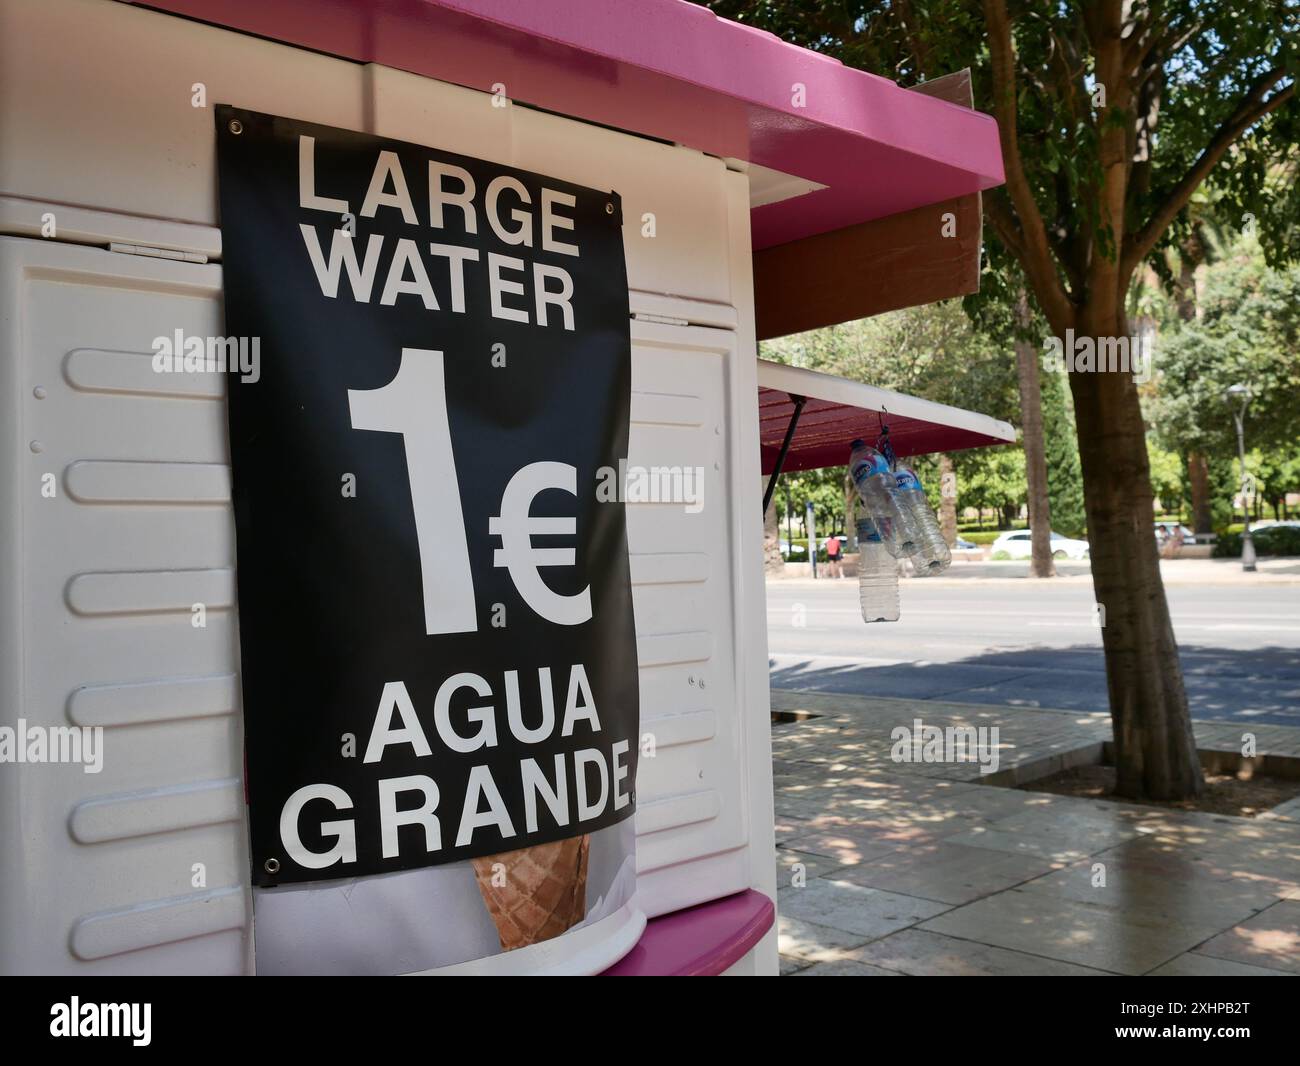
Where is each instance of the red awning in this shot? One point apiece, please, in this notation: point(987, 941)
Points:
point(837, 411)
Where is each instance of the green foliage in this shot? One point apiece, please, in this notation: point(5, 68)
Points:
point(991, 477)
point(1061, 448)
point(931, 351)
point(1209, 58)
point(1271, 540)
point(1224, 480)
point(1095, 188)
point(980, 536)
point(1248, 333)
point(825, 490)
point(1278, 473)
point(934, 352)
point(1168, 477)
point(926, 468)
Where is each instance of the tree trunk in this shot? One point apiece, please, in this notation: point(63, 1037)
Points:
point(1198, 475)
point(947, 499)
point(1031, 421)
point(1191, 254)
point(773, 561)
point(1155, 751)
point(811, 513)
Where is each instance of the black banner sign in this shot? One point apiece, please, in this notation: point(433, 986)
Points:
point(435, 613)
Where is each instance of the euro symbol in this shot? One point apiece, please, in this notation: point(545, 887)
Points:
point(516, 528)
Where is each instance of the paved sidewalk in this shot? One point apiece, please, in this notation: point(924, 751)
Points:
point(888, 868)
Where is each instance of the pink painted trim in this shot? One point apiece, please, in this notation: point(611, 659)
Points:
point(701, 941)
point(672, 70)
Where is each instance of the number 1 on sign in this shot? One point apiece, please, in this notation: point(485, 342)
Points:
point(414, 404)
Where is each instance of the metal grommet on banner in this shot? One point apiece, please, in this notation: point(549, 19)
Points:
point(236, 127)
point(609, 208)
point(271, 866)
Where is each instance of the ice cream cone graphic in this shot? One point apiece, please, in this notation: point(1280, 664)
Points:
point(540, 892)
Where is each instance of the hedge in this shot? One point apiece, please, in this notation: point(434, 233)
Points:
point(1271, 540)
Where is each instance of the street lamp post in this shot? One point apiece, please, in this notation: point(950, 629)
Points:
point(1239, 396)
point(789, 521)
point(810, 524)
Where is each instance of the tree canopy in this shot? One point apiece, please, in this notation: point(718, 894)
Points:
point(1247, 332)
point(1112, 114)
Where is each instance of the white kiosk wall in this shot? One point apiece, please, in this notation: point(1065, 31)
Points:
point(97, 128)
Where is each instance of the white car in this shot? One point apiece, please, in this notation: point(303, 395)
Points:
point(1017, 545)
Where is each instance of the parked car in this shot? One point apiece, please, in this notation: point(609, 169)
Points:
point(1017, 545)
point(963, 545)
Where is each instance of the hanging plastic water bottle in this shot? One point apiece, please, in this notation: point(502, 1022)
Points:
point(877, 576)
point(932, 555)
point(875, 482)
point(870, 473)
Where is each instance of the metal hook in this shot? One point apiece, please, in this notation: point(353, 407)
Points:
point(882, 441)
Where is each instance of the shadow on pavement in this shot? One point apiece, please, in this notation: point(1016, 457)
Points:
point(1260, 685)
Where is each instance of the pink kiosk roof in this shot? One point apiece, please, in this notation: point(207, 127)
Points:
point(672, 70)
point(675, 71)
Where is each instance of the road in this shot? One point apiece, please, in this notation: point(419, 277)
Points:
point(1033, 644)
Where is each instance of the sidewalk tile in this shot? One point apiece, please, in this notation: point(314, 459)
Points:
point(922, 953)
point(1270, 939)
point(945, 872)
point(922, 867)
point(812, 942)
point(1194, 964)
point(845, 968)
point(1058, 832)
point(848, 848)
point(1106, 939)
point(865, 912)
point(1161, 882)
point(814, 865)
